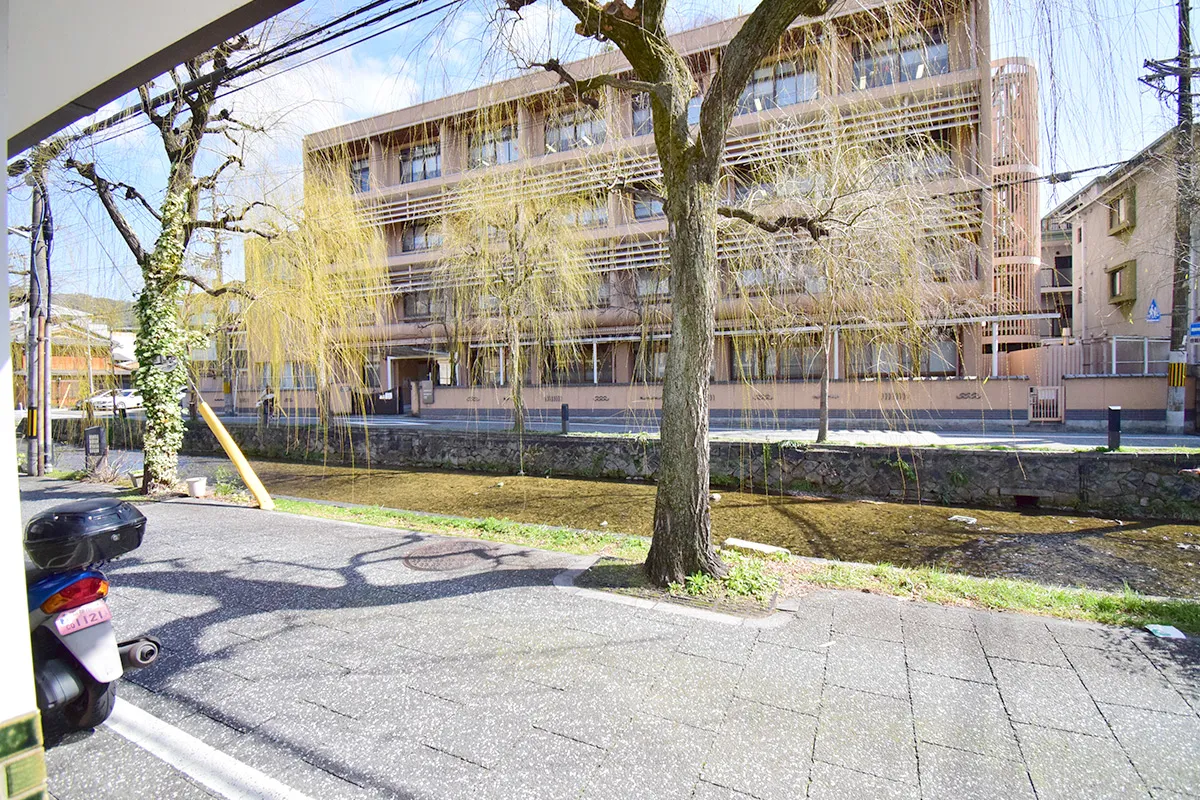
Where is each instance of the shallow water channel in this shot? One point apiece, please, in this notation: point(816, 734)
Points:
point(1153, 557)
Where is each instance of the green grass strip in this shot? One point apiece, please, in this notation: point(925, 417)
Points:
point(1127, 608)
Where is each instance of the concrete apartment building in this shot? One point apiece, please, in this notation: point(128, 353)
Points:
point(1108, 262)
point(934, 80)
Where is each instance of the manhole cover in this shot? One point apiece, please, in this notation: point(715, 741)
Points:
point(452, 556)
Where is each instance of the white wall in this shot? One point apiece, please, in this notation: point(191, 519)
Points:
point(16, 674)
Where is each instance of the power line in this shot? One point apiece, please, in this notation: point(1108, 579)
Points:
point(231, 90)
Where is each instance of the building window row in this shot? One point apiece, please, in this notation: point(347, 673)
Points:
point(900, 59)
point(784, 83)
point(489, 148)
point(582, 127)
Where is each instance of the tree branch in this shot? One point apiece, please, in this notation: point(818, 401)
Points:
point(581, 87)
point(788, 222)
point(635, 191)
point(236, 287)
point(104, 191)
point(210, 181)
point(229, 221)
point(759, 35)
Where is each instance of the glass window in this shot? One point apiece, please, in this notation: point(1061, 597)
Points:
point(360, 175)
point(782, 84)
point(297, 376)
point(803, 361)
point(753, 361)
point(422, 305)
point(420, 163)
point(584, 127)
point(652, 284)
point(647, 207)
point(642, 121)
point(940, 357)
point(421, 236)
point(488, 148)
point(905, 58)
point(593, 214)
point(651, 362)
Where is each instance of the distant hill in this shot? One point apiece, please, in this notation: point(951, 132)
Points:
point(117, 314)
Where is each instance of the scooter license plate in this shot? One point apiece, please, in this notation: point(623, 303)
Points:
point(77, 619)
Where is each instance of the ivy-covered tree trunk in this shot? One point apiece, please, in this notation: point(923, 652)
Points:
point(162, 341)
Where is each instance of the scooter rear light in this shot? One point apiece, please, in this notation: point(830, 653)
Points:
point(79, 593)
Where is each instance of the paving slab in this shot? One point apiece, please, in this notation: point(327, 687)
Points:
point(1047, 696)
point(831, 782)
point(1163, 747)
point(784, 677)
point(1074, 766)
point(962, 714)
point(944, 651)
point(762, 751)
point(867, 733)
point(1124, 677)
point(868, 665)
point(949, 774)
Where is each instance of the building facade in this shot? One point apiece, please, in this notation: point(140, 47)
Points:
point(929, 78)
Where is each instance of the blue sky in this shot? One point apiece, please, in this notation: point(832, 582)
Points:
point(1089, 55)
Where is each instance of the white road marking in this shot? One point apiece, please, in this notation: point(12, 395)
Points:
point(206, 765)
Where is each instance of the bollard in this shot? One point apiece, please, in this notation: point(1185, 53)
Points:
point(1114, 428)
point(566, 417)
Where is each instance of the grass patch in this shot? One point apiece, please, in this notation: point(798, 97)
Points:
point(748, 578)
point(1127, 608)
point(544, 537)
point(67, 474)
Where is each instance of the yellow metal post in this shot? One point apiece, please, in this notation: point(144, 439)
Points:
point(235, 455)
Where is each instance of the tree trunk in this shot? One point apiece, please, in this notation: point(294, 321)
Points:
point(682, 543)
point(515, 380)
point(161, 338)
point(823, 414)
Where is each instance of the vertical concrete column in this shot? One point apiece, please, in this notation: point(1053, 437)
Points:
point(525, 131)
point(827, 61)
point(22, 765)
point(595, 363)
point(836, 353)
point(377, 161)
point(995, 349)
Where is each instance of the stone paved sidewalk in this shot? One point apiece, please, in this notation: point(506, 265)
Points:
point(350, 661)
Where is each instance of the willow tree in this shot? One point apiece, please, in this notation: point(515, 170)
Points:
point(513, 268)
point(318, 292)
point(182, 118)
point(690, 158)
point(890, 256)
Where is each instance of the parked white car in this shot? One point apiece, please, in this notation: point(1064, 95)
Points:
point(115, 400)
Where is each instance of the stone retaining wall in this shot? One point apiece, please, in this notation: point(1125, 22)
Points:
point(1119, 484)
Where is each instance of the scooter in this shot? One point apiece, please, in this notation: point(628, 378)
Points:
point(77, 660)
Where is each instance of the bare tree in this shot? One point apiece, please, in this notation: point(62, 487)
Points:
point(183, 118)
point(690, 158)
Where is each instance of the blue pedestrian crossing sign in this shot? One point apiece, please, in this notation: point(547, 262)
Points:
point(1194, 329)
point(1153, 314)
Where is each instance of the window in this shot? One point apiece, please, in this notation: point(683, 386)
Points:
point(421, 305)
point(1122, 283)
point(360, 175)
point(642, 121)
point(905, 58)
point(647, 207)
point(489, 148)
point(803, 361)
point(776, 85)
point(584, 127)
point(420, 236)
point(1122, 212)
point(420, 163)
point(297, 376)
point(940, 357)
point(371, 376)
point(651, 362)
point(883, 360)
point(752, 360)
point(652, 284)
point(602, 291)
point(590, 213)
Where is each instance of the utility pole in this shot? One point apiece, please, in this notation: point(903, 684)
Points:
point(37, 350)
point(1182, 71)
point(1180, 68)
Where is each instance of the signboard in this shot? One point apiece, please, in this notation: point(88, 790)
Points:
point(1153, 314)
point(1194, 330)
